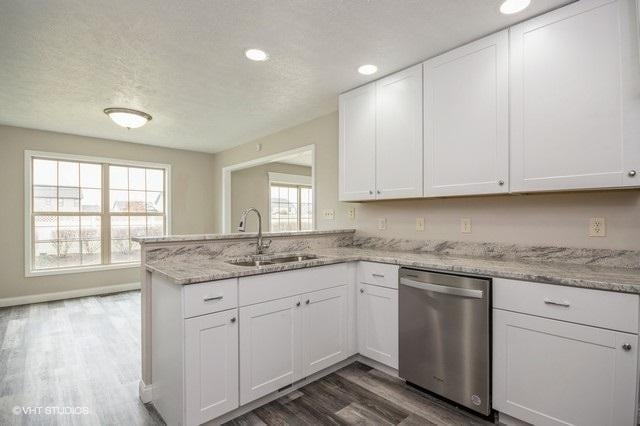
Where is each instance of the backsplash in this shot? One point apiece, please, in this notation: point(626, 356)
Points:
point(583, 256)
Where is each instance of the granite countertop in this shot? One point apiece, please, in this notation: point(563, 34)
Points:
point(194, 269)
point(236, 236)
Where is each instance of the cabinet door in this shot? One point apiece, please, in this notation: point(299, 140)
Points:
point(324, 325)
point(399, 135)
point(378, 324)
point(557, 373)
point(357, 140)
point(466, 119)
point(575, 98)
point(211, 366)
point(270, 347)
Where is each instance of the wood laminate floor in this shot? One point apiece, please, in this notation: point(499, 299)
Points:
point(83, 355)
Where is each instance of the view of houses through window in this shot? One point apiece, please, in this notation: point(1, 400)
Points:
point(85, 213)
point(291, 207)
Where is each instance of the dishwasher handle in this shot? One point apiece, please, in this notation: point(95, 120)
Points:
point(437, 288)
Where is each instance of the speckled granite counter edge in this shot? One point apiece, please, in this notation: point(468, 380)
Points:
point(525, 274)
point(236, 236)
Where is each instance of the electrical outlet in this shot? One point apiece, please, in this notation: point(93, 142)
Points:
point(419, 223)
point(351, 212)
point(465, 225)
point(329, 214)
point(597, 227)
point(382, 223)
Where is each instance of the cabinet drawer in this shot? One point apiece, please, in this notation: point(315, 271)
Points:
point(606, 309)
point(206, 298)
point(380, 274)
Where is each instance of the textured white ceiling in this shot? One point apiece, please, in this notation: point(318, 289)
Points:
point(64, 61)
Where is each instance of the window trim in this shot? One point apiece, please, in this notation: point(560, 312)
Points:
point(29, 155)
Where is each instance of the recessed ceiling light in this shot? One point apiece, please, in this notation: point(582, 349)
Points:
point(129, 118)
point(368, 69)
point(256, 55)
point(509, 7)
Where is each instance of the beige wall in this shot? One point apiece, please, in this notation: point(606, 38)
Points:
point(191, 202)
point(536, 219)
point(250, 188)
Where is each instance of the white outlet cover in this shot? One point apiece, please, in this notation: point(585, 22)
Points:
point(420, 224)
point(329, 214)
point(382, 223)
point(465, 225)
point(597, 227)
point(351, 212)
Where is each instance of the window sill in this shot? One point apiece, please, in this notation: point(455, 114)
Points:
point(80, 269)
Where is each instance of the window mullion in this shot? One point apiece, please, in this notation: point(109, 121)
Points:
point(105, 221)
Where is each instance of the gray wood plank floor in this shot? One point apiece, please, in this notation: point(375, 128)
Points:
point(86, 353)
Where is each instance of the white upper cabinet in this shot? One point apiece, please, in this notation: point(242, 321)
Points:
point(466, 119)
point(575, 98)
point(399, 135)
point(381, 138)
point(357, 144)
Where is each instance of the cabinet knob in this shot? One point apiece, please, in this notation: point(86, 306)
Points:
point(378, 191)
point(632, 173)
point(233, 319)
point(500, 182)
point(307, 302)
point(370, 192)
point(298, 304)
point(362, 290)
point(626, 347)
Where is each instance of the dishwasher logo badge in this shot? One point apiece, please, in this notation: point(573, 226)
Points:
point(476, 400)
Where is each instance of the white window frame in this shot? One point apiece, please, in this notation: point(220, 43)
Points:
point(29, 155)
point(291, 180)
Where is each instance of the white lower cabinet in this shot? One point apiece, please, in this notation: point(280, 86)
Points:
point(269, 333)
point(378, 323)
point(211, 366)
point(324, 329)
point(551, 372)
point(285, 340)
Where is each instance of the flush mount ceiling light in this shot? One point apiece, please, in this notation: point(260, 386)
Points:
point(509, 7)
point(129, 118)
point(368, 69)
point(256, 55)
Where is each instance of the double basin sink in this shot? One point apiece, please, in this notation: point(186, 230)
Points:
point(261, 260)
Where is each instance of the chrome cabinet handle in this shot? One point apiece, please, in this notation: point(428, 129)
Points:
point(626, 347)
point(307, 302)
point(378, 191)
point(370, 192)
point(632, 173)
point(378, 275)
point(298, 304)
point(362, 290)
point(500, 182)
point(564, 304)
point(233, 319)
point(210, 299)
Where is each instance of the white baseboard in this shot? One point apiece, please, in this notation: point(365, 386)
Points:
point(47, 297)
point(145, 392)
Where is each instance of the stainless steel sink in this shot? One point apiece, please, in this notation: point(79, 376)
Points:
point(296, 258)
point(258, 261)
point(254, 263)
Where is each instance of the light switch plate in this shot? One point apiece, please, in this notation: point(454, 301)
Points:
point(420, 224)
point(329, 214)
point(382, 223)
point(597, 227)
point(465, 225)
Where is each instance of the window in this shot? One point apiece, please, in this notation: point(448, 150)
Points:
point(83, 212)
point(291, 203)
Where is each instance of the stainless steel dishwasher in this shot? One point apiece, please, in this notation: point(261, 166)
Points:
point(445, 338)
